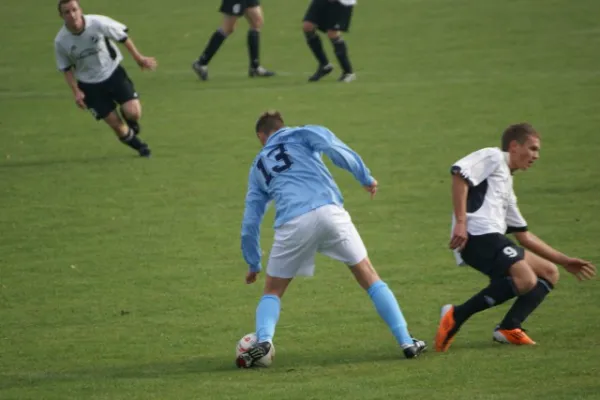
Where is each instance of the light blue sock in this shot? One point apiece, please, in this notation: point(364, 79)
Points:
point(389, 310)
point(267, 314)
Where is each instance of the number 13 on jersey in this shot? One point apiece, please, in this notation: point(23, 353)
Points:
point(282, 162)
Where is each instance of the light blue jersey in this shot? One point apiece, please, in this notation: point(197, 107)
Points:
point(290, 171)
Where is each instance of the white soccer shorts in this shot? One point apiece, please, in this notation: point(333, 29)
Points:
point(328, 230)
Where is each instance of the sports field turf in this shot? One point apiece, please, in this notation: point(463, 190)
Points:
point(122, 278)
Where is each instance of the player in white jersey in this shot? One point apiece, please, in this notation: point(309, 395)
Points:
point(485, 209)
point(232, 10)
point(332, 17)
point(86, 54)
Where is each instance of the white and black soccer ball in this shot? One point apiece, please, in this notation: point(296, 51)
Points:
point(249, 340)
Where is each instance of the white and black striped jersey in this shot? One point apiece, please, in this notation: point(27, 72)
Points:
point(92, 53)
point(491, 201)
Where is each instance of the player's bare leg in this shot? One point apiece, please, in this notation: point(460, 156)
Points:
point(131, 111)
point(126, 135)
point(200, 66)
point(510, 330)
point(341, 52)
point(387, 306)
point(316, 47)
point(267, 315)
point(255, 18)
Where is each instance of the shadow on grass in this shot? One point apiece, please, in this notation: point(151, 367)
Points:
point(9, 164)
point(197, 365)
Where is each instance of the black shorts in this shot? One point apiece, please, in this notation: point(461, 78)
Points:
point(237, 7)
point(101, 98)
point(329, 15)
point(492, 254)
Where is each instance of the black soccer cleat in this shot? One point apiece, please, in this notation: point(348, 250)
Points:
point(260, 71)
point(414, 351)
point(200, 70)
point(322, 71)
point(256, 352)
point(144, 151)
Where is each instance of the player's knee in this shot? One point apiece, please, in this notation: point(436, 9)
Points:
point(228, 26)
point(525, 283)
point(333, 35)
point(308, 27)
point(257, 22)
point(551, 274)
point(523, 277)
point(364, 273)
point(133, 110)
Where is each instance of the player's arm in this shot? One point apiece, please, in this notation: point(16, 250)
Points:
point(63, 63)
point(254, 211)
point(143, 61)
point(582, 269)
point(120, 33)
point(469, 171)
point(323, 140)
point(460, 190)
point(517, 225)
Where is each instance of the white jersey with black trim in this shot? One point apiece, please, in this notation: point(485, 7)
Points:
point(91, 53)
point(491, 201)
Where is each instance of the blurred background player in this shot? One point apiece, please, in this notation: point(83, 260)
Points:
point(333, 17)
point(309, 218)
point(485, 209)
point(232, 10)
point(91, 63)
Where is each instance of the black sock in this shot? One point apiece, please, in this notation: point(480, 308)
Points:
point(133, 141)
point(216, 40)
point(495, 294)
point(315, 45)
point(341, 52)
point(526, 304)
point(253, 46)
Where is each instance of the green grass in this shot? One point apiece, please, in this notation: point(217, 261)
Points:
point(121, 278)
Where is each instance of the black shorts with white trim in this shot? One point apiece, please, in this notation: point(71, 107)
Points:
point(329, 15)
point(237, 8)
point(492, 254)
point(101, 98)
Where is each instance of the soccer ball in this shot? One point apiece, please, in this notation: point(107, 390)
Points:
point(249, 340)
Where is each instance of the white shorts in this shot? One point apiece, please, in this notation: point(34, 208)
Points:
point(328, 230)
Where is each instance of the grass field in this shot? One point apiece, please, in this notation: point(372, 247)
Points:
point(121, 277)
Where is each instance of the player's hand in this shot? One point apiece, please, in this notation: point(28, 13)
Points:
point(372, 188)
point(251, 277)
point(459, 236)
point(80, 99)
point(147, 63)
point(580, 268)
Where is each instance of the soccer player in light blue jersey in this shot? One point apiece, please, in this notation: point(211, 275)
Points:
point(309, 218)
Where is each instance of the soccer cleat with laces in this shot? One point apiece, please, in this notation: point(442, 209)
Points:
point(255, 353)
point(200, 70)
point(447, 329)
point(512, 336)
point(322, 71)
point(416, 349)
point(347, 77)
point(260, 71)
